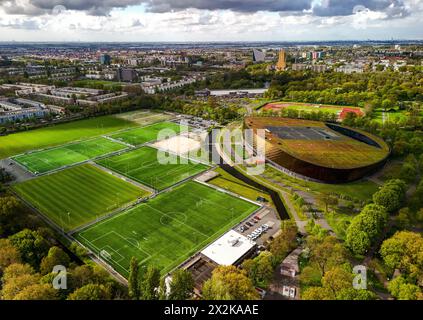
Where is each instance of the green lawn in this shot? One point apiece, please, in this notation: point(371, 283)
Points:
point(142, 135)
point(361, 190)
point(339, 222)
point(228, 182)
point(21, 142)
point(76, 196)
point(143, 166)
point(390, 116)
point(51, 159)
point(166, 230)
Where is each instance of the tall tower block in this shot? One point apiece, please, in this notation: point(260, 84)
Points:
point(281, 65)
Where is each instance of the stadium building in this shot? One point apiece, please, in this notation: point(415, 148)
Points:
point(318, 151)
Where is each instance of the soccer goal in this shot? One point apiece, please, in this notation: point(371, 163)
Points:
point(105, 254)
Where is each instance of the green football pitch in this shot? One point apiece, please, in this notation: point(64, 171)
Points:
point(143, 166)
point(76, 196)
point(51, 159)
point(167, 229)
point(56, 135)
point(149, 133)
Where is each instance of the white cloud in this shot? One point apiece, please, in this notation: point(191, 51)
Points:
point(209, 25)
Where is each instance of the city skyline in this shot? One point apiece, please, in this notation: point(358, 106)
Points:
point(192, 21)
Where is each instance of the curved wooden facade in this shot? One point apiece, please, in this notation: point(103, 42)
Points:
point(276, 154)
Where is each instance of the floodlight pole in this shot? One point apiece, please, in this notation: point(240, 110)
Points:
point(61, 220)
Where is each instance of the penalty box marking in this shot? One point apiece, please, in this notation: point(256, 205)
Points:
point(117, 251)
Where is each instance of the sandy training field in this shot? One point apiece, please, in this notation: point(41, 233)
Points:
point(179, 145)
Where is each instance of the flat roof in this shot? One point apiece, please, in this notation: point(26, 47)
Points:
point(227, 92)
point(229, 248)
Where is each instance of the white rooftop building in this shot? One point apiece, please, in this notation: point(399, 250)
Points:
point(229, 249)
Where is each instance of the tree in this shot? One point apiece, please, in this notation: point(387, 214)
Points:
point(326, 253)
point(150, 283)
point(416, 145)
point(78, 250)
point(4, 175)
point(133, 280)
point(285, 242)
point(80, 276)
point(401, 147)
point(229, 283)
point(310, 276)
point(357, 240)
point(32, 246)
point(404, 251)
point(13, 286)
point(388, 198)
point(387, 104)
point(328, 200)
point(264, 262)
point(317, 293)
point(20, 279)
point(403, 219)
point(16, 270)
point(354, 294)
point(337, 284)
point(408, 172)
point(8, 254)
point(91, 292)
point(391, 195)
point(55, 257)
point(337, 279)
point(163, 291)
point(402, 290)
point(10, 212)
point(315, 229)
point(182, 285)
point(365, 228)
point(259, 269)
point(37, 292)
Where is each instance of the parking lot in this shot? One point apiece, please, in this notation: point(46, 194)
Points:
point(261, 226)
point(17, 171)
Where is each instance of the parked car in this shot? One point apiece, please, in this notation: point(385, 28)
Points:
point(292, 292)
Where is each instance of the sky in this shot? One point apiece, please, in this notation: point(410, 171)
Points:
point(209, 20)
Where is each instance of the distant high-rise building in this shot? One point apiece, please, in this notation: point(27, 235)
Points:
point(258, 55)
point(309, 55)
point(281, 65)
point(105, 59)
point(126, 75)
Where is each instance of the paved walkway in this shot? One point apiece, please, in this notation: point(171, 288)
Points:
point(300, 223)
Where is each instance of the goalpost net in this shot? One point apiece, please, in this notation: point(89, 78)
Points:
point(105, 254)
